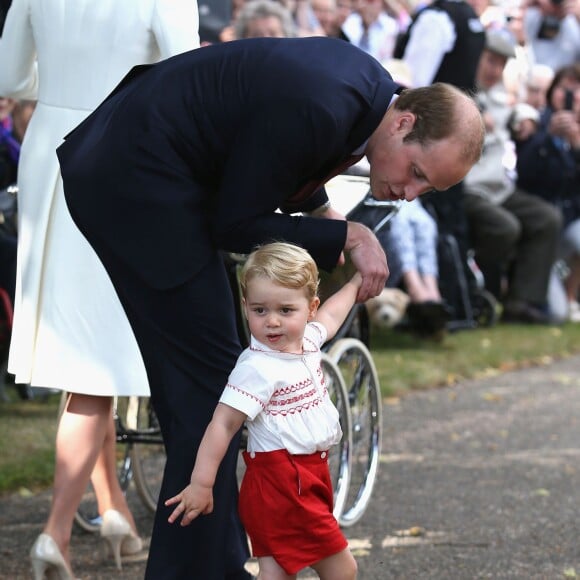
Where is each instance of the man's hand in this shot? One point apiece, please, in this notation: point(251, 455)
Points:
point(368, 257)
point(194, 500)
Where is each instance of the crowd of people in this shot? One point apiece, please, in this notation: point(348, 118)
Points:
point(529, 42)
point(507, 54)
point(517, 208)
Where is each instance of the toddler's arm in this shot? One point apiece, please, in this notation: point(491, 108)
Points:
point(333, 312)
point(197, 497)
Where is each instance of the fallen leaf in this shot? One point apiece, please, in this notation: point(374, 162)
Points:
point(25, 492)
point(413, 532)
point(492, 397)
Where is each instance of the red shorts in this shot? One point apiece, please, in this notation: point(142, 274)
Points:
point(286, 506)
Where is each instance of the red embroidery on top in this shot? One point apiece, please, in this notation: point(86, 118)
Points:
point(278, 402)
point(292, 388)
point(237, 389)
point(292, 410)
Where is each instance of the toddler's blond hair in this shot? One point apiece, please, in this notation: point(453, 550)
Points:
point(286, 264)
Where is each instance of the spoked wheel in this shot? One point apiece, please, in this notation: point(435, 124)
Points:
point(339, 455)
point(147, 452)
point(87, 515)
point(364, 394)
point(485, 308)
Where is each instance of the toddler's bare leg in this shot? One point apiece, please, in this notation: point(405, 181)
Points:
point(341, 566)
point(271, 570)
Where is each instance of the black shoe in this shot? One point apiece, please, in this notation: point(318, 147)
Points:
point(525, 313)
point(428, 317)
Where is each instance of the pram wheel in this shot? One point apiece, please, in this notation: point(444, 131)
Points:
point(485, 308)
point(339, 457)
point(364, 394)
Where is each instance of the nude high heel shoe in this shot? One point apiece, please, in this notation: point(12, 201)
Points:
point(47, 561)
point(117, 532)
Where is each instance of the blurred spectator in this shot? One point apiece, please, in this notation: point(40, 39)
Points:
point(275, 19)
point(548, 165)
point(514, 234)
point(539, 79)
point(331, 15)
point(553, 32)
point(21, 115)
point(9, 144)
point(371, 29)
point(304, 18)
point(443, 43)
point(489, 13)
point(410, 243)
point(215, 19)
point(14, 118)
point(264, 19)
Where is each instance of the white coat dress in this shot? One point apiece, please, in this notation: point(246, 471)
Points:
point(70, 330)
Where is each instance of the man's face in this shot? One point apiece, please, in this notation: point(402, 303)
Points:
point(325, 12)
point(400, 170)
point(490, 69)
point(266, 27)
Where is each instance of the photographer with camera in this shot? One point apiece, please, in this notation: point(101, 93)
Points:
point(548, 165)
point(552, 31)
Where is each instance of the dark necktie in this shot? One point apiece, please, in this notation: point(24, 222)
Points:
point(296, 200)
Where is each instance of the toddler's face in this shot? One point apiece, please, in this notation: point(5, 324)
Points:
point(277, 316)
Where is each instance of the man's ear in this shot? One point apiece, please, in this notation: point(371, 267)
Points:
point(405, 122)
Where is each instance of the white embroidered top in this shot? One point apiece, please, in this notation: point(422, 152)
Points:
point(285, 397)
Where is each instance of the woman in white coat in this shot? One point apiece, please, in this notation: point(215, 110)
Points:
point(70, 331)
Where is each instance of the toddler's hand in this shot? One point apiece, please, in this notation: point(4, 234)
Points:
point(193, 501)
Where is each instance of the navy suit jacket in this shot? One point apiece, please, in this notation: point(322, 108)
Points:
point(198, 151)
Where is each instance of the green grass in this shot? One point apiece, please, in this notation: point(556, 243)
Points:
point(404, 363)
point(27, 431)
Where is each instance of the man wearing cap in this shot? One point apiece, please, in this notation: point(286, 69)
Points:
point(503, 220)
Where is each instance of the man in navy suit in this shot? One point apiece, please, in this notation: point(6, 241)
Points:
point(194, 155)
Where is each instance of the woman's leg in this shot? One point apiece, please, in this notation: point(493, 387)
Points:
point(104, 477)
point(79, 440)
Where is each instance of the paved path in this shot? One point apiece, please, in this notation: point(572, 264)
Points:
point(481, 480)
